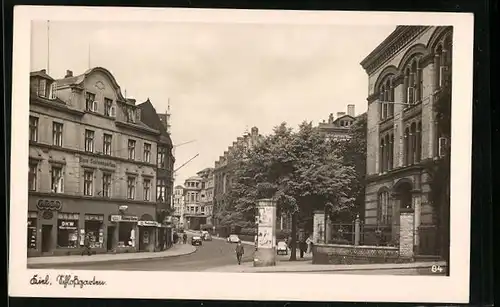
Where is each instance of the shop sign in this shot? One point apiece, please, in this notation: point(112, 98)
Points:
point(49, 205)
point(67, 225)
point(94, 217)
point(95, 161)
point(148, 223)
point(123, 218)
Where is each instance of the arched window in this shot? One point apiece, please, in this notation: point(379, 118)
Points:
point(387, 153)
point(413, 82)
point(406, 147)
point(442, 62)
point(391, 152)
point(386, 94)
point(384, 209)
point(413, 143)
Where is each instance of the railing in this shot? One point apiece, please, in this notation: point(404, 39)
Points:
point(378, 235)
point(343, 233)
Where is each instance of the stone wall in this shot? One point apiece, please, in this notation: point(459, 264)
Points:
point(350, 254)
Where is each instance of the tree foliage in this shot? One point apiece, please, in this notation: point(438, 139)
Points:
point(300, 170)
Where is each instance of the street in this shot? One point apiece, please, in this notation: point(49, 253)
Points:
point(211, 254)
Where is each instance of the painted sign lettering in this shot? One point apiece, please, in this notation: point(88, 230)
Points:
point(97, 162)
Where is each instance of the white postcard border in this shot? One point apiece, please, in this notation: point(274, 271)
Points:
point(232, 286)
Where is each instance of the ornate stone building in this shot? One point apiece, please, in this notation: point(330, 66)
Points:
point(92, 169)
point(409, 70)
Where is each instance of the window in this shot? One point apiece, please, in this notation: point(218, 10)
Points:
point(386, 93)
point(53, 90)
point(161, 157)
point(202, 209)
point(106, 144)
point(131, 149)
point(125, 233)
point(106, 185)
point(57, 179)
point(57, 134)
point(130, 187)
point(33, 129)
point(32, 176)
point(94, 229)
point(413, 82)
point(42, 88)
point(88, 182)
point(147, 152)
point(89, 102)
point(406, 146)
point(384, 212)
point(108, 105)
point(32, 229)
point(442, 63)
point(67, 230)
point(160, 190)
point(147, 189)
point(89, 140)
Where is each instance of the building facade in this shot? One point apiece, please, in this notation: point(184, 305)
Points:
point(91, 167)
point(406, 74)
point(178, 215)
point(207, 193)
point(193, 215)
point(164, 173)
point(338, 129)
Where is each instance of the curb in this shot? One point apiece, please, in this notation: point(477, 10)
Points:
point(79, 264)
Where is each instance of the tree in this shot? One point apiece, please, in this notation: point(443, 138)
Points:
point(354, 154)
point(300, 170)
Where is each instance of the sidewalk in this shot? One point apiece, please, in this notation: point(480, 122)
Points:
point(306, 266)
point(176, 250)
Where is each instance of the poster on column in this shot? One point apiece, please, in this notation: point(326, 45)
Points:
point(266, 216)
point(265, 237)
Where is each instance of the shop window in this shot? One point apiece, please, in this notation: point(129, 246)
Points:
point(94, 228)
point(88, 183)
point(89, 140)
point(147, 152)
point(33, 129)
point(32, 230)
point(106, 144)
point(67, 230)
point(57, 179)
point(125, 234)
point(131, 149)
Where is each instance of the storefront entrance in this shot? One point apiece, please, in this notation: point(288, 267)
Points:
point(110, 238)
point(46, 238)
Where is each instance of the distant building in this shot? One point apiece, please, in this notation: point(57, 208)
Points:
point(179, 206)
point(223, 168)
point(193, 215)
point(411, 67)
point(92, 167)
point(338, 129)
point(207, 193)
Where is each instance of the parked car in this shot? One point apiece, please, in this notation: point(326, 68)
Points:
point(282, 248)
point(233, 239)
point(196, 240)
point(207, 237)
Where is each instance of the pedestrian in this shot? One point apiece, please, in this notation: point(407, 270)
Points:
point(239, 252)
point(176, 237)
point(309, 244)
point(302, 247)
point(184, 238)
point(86, 246)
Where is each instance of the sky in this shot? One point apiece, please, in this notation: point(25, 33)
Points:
point(221, 79)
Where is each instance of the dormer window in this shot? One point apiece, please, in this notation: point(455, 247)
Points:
point(42, 88)
point(90, 103)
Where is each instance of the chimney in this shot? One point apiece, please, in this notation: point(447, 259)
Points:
point(350, 110)
point(69, 73)
point(340, 114)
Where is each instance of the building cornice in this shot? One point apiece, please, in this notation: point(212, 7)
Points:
point(59, 106)
point(396, 41)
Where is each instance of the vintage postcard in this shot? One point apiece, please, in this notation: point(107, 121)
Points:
point(314, 156)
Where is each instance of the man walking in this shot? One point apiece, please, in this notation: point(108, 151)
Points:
point(239, 252)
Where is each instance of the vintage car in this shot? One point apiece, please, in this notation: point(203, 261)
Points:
point(233, 239)
point(196, 240)
point(282, 248)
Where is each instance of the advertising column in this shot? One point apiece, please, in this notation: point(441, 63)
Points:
point(265, 255)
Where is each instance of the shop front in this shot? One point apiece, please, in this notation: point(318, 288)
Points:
point(147, 233)
point(57, 227)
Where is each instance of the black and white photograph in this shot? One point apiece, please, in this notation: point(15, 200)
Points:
point(183, 150)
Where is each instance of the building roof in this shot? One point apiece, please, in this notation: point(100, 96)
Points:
point(78, 80)
point(179, 187)
point(41, 73)
point(150, 117)
point(194, 178)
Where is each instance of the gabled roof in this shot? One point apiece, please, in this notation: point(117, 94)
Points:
point(41, 73)
point(150, 117)
point(78, 80)
point(344, 117)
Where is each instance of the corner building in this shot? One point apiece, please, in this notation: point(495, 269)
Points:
point(91, 167)
point(410, 68)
